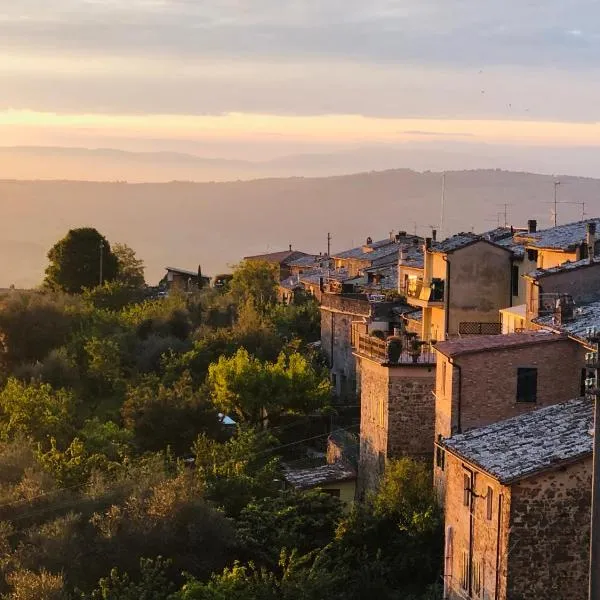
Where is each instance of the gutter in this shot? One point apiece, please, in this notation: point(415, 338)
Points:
point(446, 297)
point(453, 364)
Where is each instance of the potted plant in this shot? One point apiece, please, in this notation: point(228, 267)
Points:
point(394, 348)
point(415, 349)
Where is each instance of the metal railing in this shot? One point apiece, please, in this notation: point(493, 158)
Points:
point(478, 328)
point(377, 349)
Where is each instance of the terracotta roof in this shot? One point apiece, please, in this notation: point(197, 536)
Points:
point(461, 240)
point(489, 343)
point(304, 479)
point(284, 257)
point(530, 443)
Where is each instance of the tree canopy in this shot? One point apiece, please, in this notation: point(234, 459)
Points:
point(76, 260)
point(130, 267)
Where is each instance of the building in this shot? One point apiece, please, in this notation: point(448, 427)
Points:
point(397, 405)
point(463, 283)
point(517, 510)
point(373, 254)
point(343, 317)
point(281, 261)
point(337, 479)
point(184, 280)
point(485, 379)
point(580, 280)
point(557, 245)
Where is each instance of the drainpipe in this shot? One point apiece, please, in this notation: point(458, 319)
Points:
point(447, 298)
point(459, 403)
point(497, 584)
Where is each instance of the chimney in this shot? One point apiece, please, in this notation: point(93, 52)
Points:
point(590, 239)
point(290, 247)
point(427, 243)
point(434, 234)
point(428, 262)
point(564, 310)
point(531, 226)
point(369, 240)
point(401, 261)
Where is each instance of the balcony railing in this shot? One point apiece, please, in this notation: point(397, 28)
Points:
point(434, 292)
point(377, 349)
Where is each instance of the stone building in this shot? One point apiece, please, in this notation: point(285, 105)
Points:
point(282, 261)
point(484, 379)
point(397, 407)
point(517, 510)
point(343, 317)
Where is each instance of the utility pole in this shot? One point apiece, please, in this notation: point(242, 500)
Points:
point(593, 393)
point(505, 205)
point(555, 216)
point(101, 259)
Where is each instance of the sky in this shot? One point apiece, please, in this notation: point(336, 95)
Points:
point(263, 78)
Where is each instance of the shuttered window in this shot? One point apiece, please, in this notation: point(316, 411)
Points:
point(526, 384)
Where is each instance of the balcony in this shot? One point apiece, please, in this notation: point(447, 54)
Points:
point(421, 294)
point(412, 352)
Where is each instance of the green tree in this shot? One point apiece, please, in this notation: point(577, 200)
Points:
point(36, 410)
point(113, 295)
point(174, 415)
point(255, 280)
point(304, 521)
point(131, 268)
point(29, 585)
point(152, 584)
point(75, 261)
point(254, 390)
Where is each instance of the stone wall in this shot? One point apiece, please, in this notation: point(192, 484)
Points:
point(489, 383)
point(411, 411)
point(488, 553)
point(549, 537)
point(397, 416)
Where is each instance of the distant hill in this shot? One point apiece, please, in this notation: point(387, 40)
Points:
point(184, 224)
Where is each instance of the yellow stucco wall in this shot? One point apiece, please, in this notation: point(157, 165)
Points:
point(347, 491)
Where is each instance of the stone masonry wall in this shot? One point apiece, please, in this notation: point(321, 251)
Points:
point(411, 411)
point(549, 538)
point(397, 416)
point(373, 424)
point(490, 535)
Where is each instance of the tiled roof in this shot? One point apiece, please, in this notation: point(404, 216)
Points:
point(536, 441)
point(306, 478)
point(184, 272)
point(585, 316)
point(489, 343)
point(284, 257)
point(562, 268)
point(379, 249)
point(307, 261)
point(562, 237)
point(455, 242)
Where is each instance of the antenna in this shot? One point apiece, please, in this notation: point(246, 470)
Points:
point(505, 205)
point(555, 213)
point(443, 205)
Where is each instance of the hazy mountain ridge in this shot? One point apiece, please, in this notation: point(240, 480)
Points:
point(215, 224)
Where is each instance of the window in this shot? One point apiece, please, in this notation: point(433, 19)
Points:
point(532, 255)
point(466, 489)
point(515, 280)
point(490, 503)
point(440, 458)
point(464, 570)
point(477, 579)
point(526, 384)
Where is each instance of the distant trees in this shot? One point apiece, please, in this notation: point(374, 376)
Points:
point(131, 268)
point(254, 280)
point(75, 261)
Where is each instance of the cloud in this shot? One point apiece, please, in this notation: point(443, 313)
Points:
point(382, 58)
